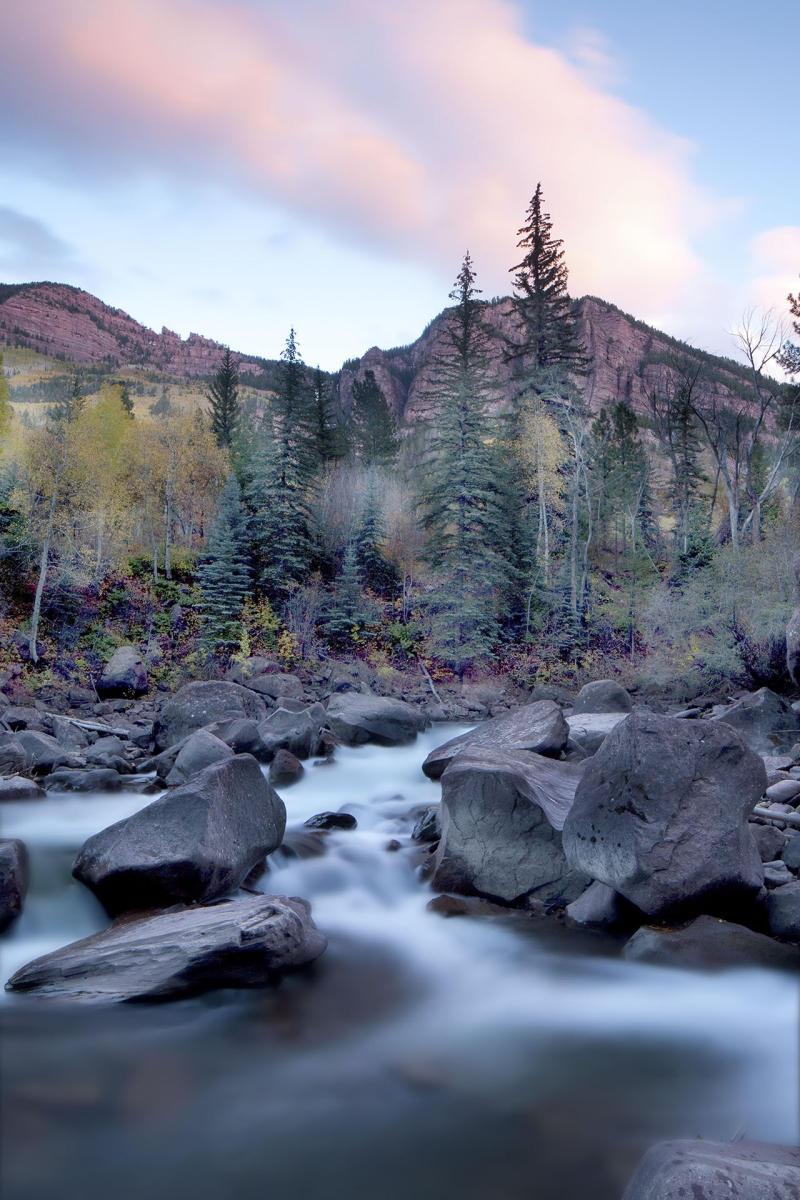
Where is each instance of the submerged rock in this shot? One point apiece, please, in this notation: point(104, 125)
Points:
point(193, 844)
point(13, 880)
point(236, 943)
point(501, 816)
point(709, 943)
point(699, 1170)
point(660, 815)
point(539, 727)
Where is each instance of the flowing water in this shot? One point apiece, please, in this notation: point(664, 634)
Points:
point(421, 1057)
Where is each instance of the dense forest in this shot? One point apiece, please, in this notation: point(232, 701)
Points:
point(534, 536)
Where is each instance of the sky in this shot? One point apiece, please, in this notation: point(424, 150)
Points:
point(239, 167)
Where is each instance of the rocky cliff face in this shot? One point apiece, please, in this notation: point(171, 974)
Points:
point(67, 323)
point(629, 360)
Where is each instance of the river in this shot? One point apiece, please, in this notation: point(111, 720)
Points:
point(420, 1058)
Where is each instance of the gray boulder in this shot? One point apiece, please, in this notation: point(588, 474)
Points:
point(763, 719)
point(770, 841)
point(600, 907)
point(539, 727)
point(202, 703)
point(69, 735)
point(791, 851)
point(285, 769)
point(783, 911)
point(124, 675)
point(660, 814)
point(699, 1170)
point(357, 719)
point(238, 943)
point(603, 696)
point(200, 750)
point(297, 732)
point(192, 845)
point(15, 787)
point(276, 685)
point(241, 734)
point(588, 731)
point(105, 749)
point(501, 816)
point(785, 791)
point(12, 754)
point(43, 753)
point(13, 880)
point(709, 943)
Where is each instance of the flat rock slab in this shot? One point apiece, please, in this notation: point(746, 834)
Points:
point(696, 1170)
point(357, 719)
point(588, 731)
point(661, 815)
point(501, 814)
point(539, 727)
point(709, 944)
point(194, 844)
point(236, 943)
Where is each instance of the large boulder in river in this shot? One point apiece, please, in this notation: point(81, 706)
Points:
point(193, 844)
point(603, 696)
point(284, 729)
point(357, 719)
point(201, 703)
point(13, 880)
point(539, 727)
point(763, 719)
point(699, 1170)
point(660, 814)
point(501, 816)
point(588, 731)
point(124, 674)
point(246, 942)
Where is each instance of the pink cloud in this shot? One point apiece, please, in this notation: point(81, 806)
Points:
point(421, 128)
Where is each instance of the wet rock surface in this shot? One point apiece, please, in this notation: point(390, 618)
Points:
point(236, 943)
point(13, 880)
point(700, 1170)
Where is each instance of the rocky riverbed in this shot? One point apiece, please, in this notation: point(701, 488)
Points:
point(578, 822)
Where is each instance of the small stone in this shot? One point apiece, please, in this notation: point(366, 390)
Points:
point(331, 820)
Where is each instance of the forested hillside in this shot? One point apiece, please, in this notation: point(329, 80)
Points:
point(536, 486)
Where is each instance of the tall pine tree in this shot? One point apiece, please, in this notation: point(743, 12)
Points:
point(462, 506)
point(374, 427)
point(223, 397)
point(280, 473)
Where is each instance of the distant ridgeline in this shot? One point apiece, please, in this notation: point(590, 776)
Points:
point(629, 360)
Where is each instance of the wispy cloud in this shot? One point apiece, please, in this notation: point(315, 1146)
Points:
point(420, 128)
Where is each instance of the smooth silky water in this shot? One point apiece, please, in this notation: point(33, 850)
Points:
point(421, 1057)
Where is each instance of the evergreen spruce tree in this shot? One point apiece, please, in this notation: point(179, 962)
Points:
point(280, 472)
point(463, 507)
point(223, 397)
point(549, 337)
point(348, 608)
point(374, 427)
point(125, 399)
point(224, 573)
point(376, 571)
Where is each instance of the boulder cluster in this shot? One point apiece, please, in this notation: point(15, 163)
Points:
point(680, 831)
point(171, 875)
